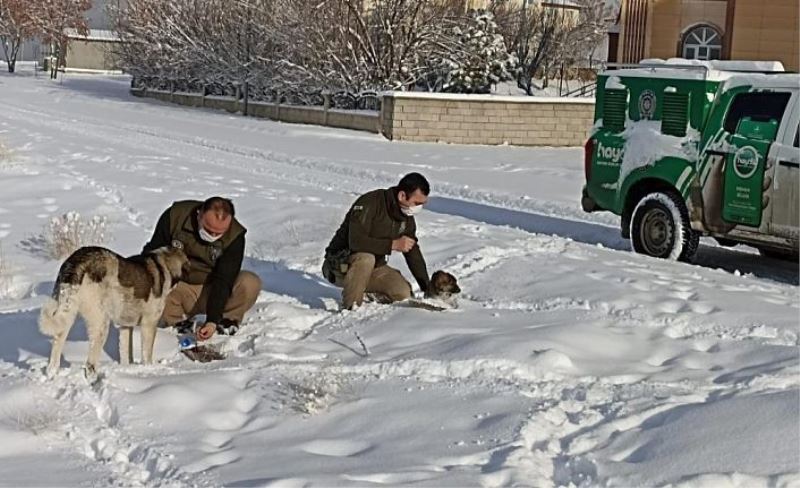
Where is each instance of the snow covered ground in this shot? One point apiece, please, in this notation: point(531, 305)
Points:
point(570, 361)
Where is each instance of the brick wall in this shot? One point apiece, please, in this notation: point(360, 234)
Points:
point(426, 117)
point(486, 119)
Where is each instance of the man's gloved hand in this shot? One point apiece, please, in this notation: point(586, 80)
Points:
point(205, 332)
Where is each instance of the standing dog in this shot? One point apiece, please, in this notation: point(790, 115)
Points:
point(103, 286)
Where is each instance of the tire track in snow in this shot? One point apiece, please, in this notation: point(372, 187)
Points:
point(323, 166)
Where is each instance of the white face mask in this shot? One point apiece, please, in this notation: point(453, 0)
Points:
point(206, 236)
point(411, 211)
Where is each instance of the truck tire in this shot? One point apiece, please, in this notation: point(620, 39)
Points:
point(660, 227)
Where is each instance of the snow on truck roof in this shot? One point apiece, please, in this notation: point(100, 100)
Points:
point(693, 69)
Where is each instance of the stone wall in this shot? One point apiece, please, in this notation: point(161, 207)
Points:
point(427, 117)
point(486, 119)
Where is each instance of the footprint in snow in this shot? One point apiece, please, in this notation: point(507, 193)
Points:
point(336, 447)
point(213, 461)
point(226, 420)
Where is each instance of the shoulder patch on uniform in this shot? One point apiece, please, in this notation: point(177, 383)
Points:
point(358, 207)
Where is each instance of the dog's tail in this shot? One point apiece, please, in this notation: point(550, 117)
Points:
point(58, 312)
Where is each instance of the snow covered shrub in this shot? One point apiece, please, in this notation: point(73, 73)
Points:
point(65, 234)
point(315, 393)
point(37, 419)
point(481, 60)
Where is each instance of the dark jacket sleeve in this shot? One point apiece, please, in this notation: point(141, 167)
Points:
point(161, 234)
point(416, 262)
point(359, 221)
point(222, 278)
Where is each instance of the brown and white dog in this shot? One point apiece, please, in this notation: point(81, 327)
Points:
point(105, 287)
point(443, 286)
point(441, 293)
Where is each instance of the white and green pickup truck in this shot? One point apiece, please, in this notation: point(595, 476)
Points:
point(686, 148)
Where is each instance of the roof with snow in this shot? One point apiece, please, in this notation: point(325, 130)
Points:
point(693, 69)
point(93, 35)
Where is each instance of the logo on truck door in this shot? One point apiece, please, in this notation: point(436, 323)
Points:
point(745, 162)
point(647, 104)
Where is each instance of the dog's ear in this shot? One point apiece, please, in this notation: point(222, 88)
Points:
point(436, 282)
point(177, 262)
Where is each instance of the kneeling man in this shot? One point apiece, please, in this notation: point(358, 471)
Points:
point(216, 286)
point(378, 223)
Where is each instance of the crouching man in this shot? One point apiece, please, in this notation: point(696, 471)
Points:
point(216, 286)
point(378, 223)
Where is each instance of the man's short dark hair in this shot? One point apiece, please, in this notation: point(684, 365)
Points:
point(413, 182)
point(219, 204)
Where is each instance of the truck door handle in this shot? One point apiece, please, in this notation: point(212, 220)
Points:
point(789, 164)
point(714, 152)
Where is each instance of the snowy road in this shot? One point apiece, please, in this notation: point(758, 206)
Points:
point(570, 360)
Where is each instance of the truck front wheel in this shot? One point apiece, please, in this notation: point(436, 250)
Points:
point(660, 227)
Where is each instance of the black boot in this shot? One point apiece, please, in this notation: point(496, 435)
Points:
point(227, 327)
point(184, 327)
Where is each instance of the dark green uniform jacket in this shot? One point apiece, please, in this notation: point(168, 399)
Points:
point(215, 264)
point(371, 224)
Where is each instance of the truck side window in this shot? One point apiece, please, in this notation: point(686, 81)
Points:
point(761, 106)
point(797, 137)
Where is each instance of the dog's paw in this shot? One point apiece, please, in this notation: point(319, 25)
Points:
point(91, 375)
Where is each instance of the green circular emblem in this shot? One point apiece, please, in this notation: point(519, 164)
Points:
point(745, 162)
point(647, 104)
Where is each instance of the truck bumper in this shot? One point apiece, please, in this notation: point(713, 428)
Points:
point(588, 204)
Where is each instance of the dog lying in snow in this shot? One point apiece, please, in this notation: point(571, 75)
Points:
point(443, 286)
point(103, 287)
point(441, 293)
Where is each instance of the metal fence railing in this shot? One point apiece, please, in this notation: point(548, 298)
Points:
point(246, 92)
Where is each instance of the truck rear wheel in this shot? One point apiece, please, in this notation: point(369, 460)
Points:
point(660, 227)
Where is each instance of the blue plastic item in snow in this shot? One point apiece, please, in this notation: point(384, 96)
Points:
point(187, 342)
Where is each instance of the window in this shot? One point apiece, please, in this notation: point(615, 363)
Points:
point(702, 42)
point(761, 106)
point(797, 137)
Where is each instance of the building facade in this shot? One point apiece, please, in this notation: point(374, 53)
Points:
point(710, 29)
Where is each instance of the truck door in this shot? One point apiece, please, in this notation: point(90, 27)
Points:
point(784, 157)
point(754, 119)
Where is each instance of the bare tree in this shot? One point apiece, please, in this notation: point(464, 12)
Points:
point(385, 45)
point(214, 41)
point(54, 20)
point(545, 36)
point(16, 25)
point(301, 48)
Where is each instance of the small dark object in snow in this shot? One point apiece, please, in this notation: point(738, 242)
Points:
point(203, 354)
point(430, 304)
